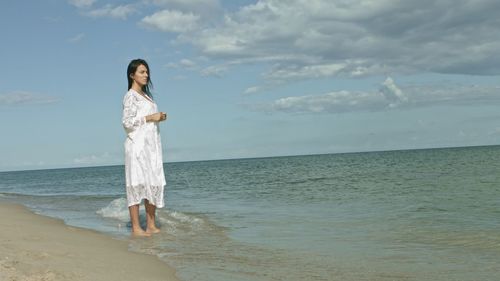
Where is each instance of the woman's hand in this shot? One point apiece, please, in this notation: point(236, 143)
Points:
point(156, 117)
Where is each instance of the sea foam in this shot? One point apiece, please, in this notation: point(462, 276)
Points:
point(116, 209)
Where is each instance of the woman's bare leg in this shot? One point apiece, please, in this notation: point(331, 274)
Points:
point(150, 218)
point(134, 219)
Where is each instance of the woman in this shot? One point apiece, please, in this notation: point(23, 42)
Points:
point(144, 174)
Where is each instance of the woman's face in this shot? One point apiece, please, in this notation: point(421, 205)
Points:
point(141, 76)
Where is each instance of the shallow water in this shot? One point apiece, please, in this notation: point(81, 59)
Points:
point(400, 215)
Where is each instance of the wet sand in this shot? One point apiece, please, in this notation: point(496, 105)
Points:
point(36, 248)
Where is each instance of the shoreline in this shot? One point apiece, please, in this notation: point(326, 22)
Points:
point(35, 247)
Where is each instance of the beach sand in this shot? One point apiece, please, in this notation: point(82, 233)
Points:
point(36, 248)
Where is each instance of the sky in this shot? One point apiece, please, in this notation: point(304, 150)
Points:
point(245, 78)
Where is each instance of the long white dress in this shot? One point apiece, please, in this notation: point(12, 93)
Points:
point(144, 175)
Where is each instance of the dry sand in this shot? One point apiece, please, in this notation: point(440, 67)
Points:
point(36, 248)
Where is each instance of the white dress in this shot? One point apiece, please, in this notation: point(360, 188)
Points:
point(144, 176)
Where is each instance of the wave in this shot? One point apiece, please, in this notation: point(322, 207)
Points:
point(116, 209)
point(175, 222)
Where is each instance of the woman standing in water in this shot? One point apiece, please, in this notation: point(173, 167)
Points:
point(144, 176)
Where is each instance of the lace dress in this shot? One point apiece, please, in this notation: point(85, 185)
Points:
point(144, 176)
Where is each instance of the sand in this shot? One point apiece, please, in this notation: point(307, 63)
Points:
point(36, 248)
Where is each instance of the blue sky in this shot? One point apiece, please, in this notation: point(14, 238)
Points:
point(247, 78)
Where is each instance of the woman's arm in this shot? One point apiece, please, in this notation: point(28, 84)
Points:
point(156, 117)
point(130, 120)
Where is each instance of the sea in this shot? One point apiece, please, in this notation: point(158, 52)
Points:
point(430, 214)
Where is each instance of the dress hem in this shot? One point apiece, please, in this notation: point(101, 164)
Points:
point(155, 198)
point(150, 202)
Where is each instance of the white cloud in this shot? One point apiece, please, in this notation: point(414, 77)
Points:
point(76, 38)
point(195, 6)
point(171, 21)
point(393, 93)
point(188, 3)
point(25, 98)
point(251, 90)
point(388, 96)
point(93, 159)
point(325, 38)
point(334, 102)
point(82, 3)
point(308, 71)
point(187, 63)
point(215, 70)
point(289, 71)
point(184, 63)
point(111, 11)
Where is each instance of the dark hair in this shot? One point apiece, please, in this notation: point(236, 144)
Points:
point(132, 68)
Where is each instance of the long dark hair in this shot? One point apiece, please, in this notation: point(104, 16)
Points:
point(132, 67)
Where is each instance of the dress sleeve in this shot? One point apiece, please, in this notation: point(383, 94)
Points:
point(130, 120)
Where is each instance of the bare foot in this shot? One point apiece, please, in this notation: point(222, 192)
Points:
point(153, 230)
point(140, 233)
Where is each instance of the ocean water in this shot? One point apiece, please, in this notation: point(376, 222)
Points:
point(400, 215)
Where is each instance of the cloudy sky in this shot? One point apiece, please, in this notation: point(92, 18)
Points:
point(245, 78)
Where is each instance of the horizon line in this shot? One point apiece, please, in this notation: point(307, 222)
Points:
point(264, 157)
